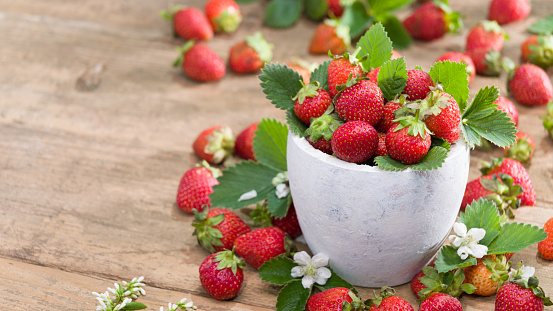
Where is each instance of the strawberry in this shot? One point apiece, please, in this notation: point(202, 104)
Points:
point(221, 275)
point(530, 85)
point(354, 141)
point(362, 101)
point(545, 247)
point(538, 50)
point(217, 228)
point(329, 300)
point(509, 107)
point(407, 144)
point(516, 170)
point(388, 115)
point(460, 58)
point(224, 15)
point(373, 75)
point(498, 188)
point(260, 245)
point(523, 149)
point(189, 23)
point(304, 68)
point(442, 115)
point(431, 21)
point(440, 302)
point(387, 300)
point(335, 9)
point(507, 11)
point(200, 62)
point(319, 133)
point(288, 223)
point(521, 292)
point(340, 69)
point(214, 144)
point(487, 62)
point(243, 145)
point(251, 54)
point(311, 101)
point(486, 34)
point(486, 274)
point(381, 148)
point(330, 36)
point(416, 284)
point(195, 187)
point(418, 84)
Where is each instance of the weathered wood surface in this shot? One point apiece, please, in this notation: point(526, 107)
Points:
point(88, 179)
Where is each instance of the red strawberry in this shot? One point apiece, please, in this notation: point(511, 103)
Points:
point(214, 144)
point(311, 102)
point(224, 15)
point(545, 247)
point(288, 223)
point(523, 149)
point(339, 69)
point(388, 116)
point(373, 75)
point(487, 62)
point(388, 300)
point(303, 67)
point(251, 54)
point(498, 188)
point(507, 11)
point(512, 296)
point(217, 229)
point(416, 284)
point(530, 85)
point(440, 302)
point(381, 148)
point(509, 107)
point(260, 245)
point(460, 58)
point(321, 144)
point(442, 115)
point(335, 9)
point(405, 145)
point(363, 101)
point(329, 36)
point(516, 170)
point(418, 84)
point(355, 141)
point(221, 275)
point(329, 300)
point(189, 23)
point(431, 21)
point(200, 62)
point(538, 50)
point(243, 145)
point(195, 187)
point(319, 133)
point(487, 34)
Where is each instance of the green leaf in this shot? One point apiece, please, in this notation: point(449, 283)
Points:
point(398, 35)
point(482, 214)
point(241, 178)
point(269, 143)
point(316, 9)
point(514, 237)
point(134, 306)
point(482, 118)
point(278, 207)
point(277, 271)
point(320, 74)
point(296, 125)
point(454, 79)
point(432, 160)
point(356, 18)
point(282, 13)
point(543, 26)
point(376, 44)
point(448, 260)
point(336, 281)
point(392, 77)
point(378, 6)
point(293, 297)
point(280, 83)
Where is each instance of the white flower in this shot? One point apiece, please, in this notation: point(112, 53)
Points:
point(467, 242)
point(282, 190)
point(525, 272)
point(312, 270)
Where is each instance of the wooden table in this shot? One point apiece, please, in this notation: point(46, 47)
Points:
point(88, 179)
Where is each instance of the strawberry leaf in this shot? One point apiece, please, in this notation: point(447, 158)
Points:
point(269, 143)
point(320, 74)
point(376, 44)
point(296, 125)
point(392, 77)
point(397, 33)
point(277, 271)
point(280, 83)
point(482, 214)
point(543, 26)
point(514, 237)
point(336, 281)
point(378, 6)
point(278, 207)
point(432, 160)
point(356, 18)
point(454, 79)
point(448, 260)
point(282, 13)
point(293, 297)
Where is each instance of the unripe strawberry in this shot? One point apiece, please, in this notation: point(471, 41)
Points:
point(480, 276)
point(530, 85)
point(355, 141)
point(362, 101)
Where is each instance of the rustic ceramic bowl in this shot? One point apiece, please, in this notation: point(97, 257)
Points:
point(378, 227)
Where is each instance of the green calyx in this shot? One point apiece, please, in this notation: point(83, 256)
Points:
point(323, 126)
point(215, 172)
point(450, 283)
point(499, 268)
point(505, 193)
point(207, 235)
point(493, 26)
point(341, 30)
point(542, 53)
point(434, 102)
point(385, 292)
point(228, 21)
point(517, 277)
point(548, 119)
point(170, 13)
point(486, 167)
point(220, 144)
point(414, 123)
point(182, 50)
point(309, 90)
point(494, 63)
point(453, 20)
point(355, 305)
point(263, 48)
point(228, 259)
point(521, 150)
point(260, 216)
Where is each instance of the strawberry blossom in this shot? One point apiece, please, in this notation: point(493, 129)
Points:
point(312, 270)
point(280, 181)
point(523, 272)
point(467, 242)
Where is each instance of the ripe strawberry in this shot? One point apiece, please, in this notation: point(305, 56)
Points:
point(431, 21)
point(441, 302)
point(311, 101)
point(200, 62)
point(363, 101)
point(251, 54)
point(221, 275)
point(474, 191)
point(516, 170)
point(418, 84)
point(335, 9)
point(512, 296)
point(304, 68)
point(321, 144)
point(373, 75)
point(243, 145)
point(355, 141)
point(538, 50)
point(319, 133)
point(260, 245)
point(189, 23)
point(329, 300)
point(214, 144)
point(530, 85)
point(217, 228)
point(387, 300)
point(507, 11)
point(329, 36)
point(481, 276)
point(195, 187)
point(442, 115)
point(288, 223)
point(523, 149)
point(381, 148)
point(460, 58)
point(486, 34)
point(388, 115)
point(509, 107)
point(416, 284)
point(224, 15)
point(545, 247)
point(339, 70)
point(487, 62)
point(406, 145)
point(497, 188)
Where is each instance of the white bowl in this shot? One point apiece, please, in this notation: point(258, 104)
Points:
point(378, 227)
